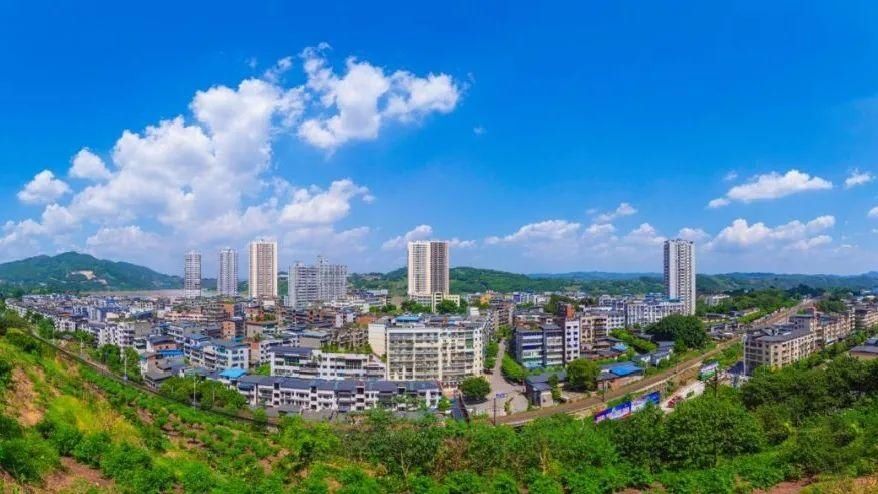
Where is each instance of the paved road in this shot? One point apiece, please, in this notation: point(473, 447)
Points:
point(500, 385)
point(683, 372)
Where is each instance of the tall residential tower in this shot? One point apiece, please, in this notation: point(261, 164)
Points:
point(263, 269)
point(227, 277)
point(680, 272)
point(428, 268)
point(192, 274)
point(322, 282)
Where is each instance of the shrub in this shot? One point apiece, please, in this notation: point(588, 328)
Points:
point(91, 449)
point(27, 458)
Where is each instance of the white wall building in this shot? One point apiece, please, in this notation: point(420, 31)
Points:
point(322, 282)
point(192, 274)
point(680, 272)
point(227, 277)
point(415, 350)
point(263, 269)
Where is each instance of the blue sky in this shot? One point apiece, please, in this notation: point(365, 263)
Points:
point(536, 137)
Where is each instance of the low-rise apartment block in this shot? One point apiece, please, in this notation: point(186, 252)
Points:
point(310, 363)
point(293, 395)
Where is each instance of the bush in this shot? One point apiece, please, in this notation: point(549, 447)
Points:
point(91, 449)
point(27, 458)
point(64, 437)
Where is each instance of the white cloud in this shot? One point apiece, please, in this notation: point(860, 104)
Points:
point(462, 244)
point(88, 165)
point(873, 213)
point(693, 234)
point(858, 178)
point(420, 232)
point(364, 98)
point(718, 202)
point(209, 176)
point(599, 229)
point(549, 230)
point(43, 189)
point(623, 209)
point(731, 176)
point(772, 186)
point(319, 206)
point(125, 242)
point(795, 234)
point(277, 70)
point(645, 234)
point(478, 130)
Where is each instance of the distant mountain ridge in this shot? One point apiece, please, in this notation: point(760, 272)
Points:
point(469, 280)
point(72, 271)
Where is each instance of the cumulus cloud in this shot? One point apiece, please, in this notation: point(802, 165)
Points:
point(360, 101)
point(795, 234)
point(323, 206)
point(599, 229)
point(88, 165)
point(462, 244)
point(772, 186)
point(623, 209)
point(858, 178)
point(420, 232)
point(549, 230)
point(693, 234)
point(873, 213)
point(209, 175)
point(43, 189)
point(126, 242)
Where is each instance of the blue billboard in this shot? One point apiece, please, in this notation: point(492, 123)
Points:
point(625, 409)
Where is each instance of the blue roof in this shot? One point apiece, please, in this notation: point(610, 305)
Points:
point(623, 369)
point(621, 347)
point(233, 373)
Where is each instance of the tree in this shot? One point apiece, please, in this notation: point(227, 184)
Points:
point(475, 388)
point(447, 307)
point(582, 374)
point(687, 331)
point(511, 369)
point(703, 429)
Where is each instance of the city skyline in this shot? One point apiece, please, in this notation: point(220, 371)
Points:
point(617, 152)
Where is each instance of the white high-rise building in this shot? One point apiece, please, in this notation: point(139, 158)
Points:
point(227, 277)
point(428, 268)
point(262, 282)
point(680, 273)
point(322, 282)
point(192, 274)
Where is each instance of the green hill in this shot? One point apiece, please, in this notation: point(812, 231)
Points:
point(72, 271)
point(471, 280)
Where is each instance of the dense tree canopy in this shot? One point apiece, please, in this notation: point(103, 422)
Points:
point(475, 388)
point(582, 374)
point(687, 331)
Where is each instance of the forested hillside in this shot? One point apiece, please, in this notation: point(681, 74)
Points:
point(471, 280)
point(72, 271)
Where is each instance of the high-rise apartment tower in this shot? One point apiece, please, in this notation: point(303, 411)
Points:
point(192, 274)
point(262, 281)
point(428, 268)
point(227, 276)
point(680, 272)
